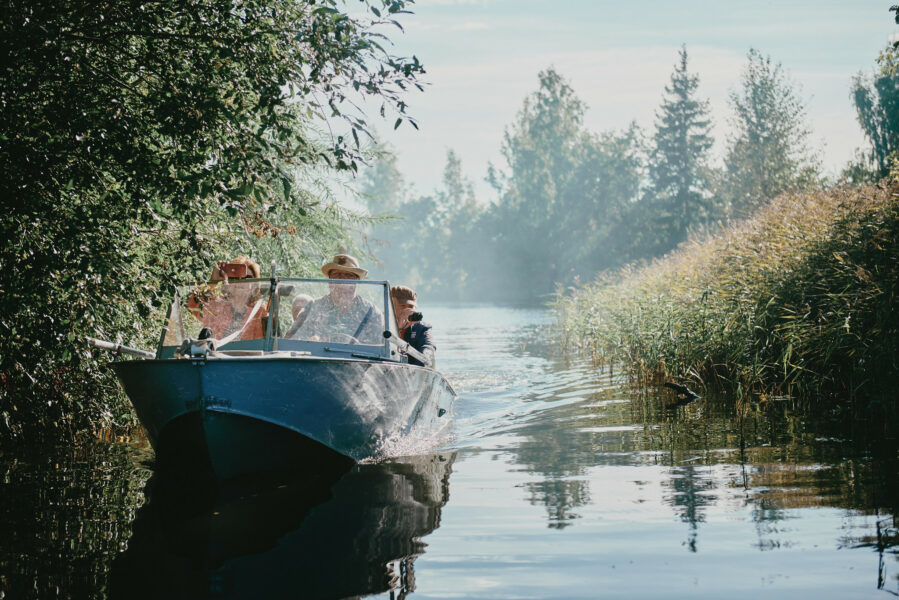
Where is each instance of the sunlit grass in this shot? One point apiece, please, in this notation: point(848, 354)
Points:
point(798, 300)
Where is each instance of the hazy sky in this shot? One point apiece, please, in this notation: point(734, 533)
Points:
point(483, 56)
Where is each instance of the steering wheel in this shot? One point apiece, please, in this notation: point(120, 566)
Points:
point(342, 338)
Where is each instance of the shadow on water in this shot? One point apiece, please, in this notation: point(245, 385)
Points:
point(339, 535)
point(97, 522)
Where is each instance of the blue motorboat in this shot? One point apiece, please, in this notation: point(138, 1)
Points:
point(242, 383)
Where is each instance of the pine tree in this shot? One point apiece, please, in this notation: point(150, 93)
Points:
point(679, 166)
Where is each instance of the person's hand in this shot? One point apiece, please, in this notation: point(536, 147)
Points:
point(403, 315)
point(219, 274)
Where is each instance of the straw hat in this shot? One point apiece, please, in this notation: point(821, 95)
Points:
point(253, 269)
point(346, 264)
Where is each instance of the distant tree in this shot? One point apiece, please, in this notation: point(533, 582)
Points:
point(600, 207)
point(384, 190)
point(678, 168)
point(876, 100)
point(430, 244)
point(542, 146)
point(768, 152)
point(542, 149)
point(456, 198)
point(381, 184)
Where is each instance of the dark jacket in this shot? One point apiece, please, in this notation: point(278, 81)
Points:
point(419, 337)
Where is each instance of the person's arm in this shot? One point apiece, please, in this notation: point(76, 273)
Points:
point(426, 342)
point(312, 322)
point(373, 331)
point(422, 340)
point(301, 318)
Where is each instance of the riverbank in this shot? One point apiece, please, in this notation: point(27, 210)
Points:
point(799, 300)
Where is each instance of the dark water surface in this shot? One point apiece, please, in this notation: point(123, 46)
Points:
point(557, 482)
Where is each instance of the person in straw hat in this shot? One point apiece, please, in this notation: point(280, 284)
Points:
point(341, 315)
point(417, 333)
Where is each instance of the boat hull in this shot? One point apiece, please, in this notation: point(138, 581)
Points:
point(240, 416)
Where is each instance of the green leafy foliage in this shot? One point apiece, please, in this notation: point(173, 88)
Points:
point(139, 142)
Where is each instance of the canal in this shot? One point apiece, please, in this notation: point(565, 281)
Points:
point(557, 481)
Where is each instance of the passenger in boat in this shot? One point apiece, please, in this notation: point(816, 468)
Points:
point(341, 316)
point(416, 332)
point(299, 303)
point(229, 307)
point(296, 310)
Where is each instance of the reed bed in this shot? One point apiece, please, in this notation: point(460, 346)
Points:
point(798, 300)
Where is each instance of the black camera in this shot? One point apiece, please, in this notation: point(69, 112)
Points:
point(416, 316)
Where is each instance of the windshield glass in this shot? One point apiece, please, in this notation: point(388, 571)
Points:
point(337, 311)
point(237, 314)
point(230, 311)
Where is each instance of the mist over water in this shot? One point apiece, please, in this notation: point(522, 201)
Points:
point(554, 481)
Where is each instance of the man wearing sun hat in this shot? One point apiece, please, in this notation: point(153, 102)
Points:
point(341, 316)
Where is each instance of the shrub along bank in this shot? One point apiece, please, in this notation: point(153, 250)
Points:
point(800, 300)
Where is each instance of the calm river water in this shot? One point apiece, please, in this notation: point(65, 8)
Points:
point(557, 482)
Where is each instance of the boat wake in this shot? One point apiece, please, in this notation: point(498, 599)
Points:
point(411, 445)
point(492, 416)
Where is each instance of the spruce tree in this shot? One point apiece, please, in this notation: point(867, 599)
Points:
point(679, 167)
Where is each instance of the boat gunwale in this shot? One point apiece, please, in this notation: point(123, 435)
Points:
point(278, 356)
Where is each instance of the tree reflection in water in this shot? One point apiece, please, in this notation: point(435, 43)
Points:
point(65, 514)
point(774, 456)
point(689, 497)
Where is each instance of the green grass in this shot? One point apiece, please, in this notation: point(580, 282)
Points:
point(799, 300)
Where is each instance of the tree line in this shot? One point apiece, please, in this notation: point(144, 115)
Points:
point(570, 203)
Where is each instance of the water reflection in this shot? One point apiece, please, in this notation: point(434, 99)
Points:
point(65, 513)
point(339, 536)
point(623, 469)
point(770, 458)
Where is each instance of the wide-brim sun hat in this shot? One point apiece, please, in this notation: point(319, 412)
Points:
point(346, 264)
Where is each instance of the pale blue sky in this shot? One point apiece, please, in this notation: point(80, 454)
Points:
point(483, 57)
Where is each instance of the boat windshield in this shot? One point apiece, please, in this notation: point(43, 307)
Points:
point(230, 312)
point(340, 313)
point(337, 311)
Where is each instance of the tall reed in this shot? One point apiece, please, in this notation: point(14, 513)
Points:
point(798, 300)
